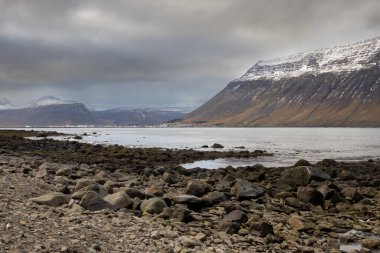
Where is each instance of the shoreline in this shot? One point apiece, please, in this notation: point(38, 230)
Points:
point(59, 196)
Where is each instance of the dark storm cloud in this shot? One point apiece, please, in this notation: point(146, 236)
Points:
point(119, 53)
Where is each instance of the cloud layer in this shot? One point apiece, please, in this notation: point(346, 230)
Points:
point(160, 53)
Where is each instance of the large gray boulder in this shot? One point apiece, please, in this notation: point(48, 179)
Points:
point(302, 175)
point(153, 205)
point(93, 201)
point(245, 190)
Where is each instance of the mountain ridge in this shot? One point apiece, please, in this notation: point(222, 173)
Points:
point(344, 91)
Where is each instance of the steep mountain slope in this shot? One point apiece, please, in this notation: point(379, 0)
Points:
point(329, 87)
point(6, 104)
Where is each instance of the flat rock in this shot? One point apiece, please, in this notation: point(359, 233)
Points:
point(51, 199)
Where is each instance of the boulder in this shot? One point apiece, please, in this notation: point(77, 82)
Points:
point(302, 162)
point(51, 199)
point(310, 195)
point(170, 178)
point(82, 183)
point(118, 200)
point(65, 171)
point(154, 191)
point(301, 176)
point(217, 145)
point(93, 201)
point(100, 189)
point(371, 243)
point(197, 188)
point(178, 213)
point(215, 197)
point(192, 202)
point(153, 205)
point(245, 190)
point(352, 193)
point(262, 228)
point(231, 222)
point(133, 192)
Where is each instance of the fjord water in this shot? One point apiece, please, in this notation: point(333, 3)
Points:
point(287, 144)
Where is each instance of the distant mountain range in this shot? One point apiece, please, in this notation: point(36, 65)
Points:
point(51, 111)
point(337, 86)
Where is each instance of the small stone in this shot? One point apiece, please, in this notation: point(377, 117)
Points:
point(217, 145)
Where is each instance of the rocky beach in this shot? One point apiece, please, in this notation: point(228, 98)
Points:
point(67, 196)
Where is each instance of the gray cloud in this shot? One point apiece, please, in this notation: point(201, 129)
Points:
point(124, 53)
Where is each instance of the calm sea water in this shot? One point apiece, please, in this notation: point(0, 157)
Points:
point(287, 144)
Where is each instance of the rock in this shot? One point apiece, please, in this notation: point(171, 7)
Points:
point(93, 201)
point(231, 222)
point(51, 199)
point(215, 197)
point(296, 224)
point(95, 247)
point(329, 194)
point(295, 203)
point(133, 192)
point(245, 190)
point(118, 200)
point(309, 195)
point(170, 178)
point(347, 175)
point(42, 172)
point(301, 176)
point(197, 188)
point(154, 191)
point(189, 242)
point(153, 205)
point(65, 171)
point(262, 228)
point(302, 162)
point(371, 243)
point(352, 193)
point(83, 183)
point(217, 145)
point(100, 189)
point(193, 202)
point(48, 169)
point(178, 213)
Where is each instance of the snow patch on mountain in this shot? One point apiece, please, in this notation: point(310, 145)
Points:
point(338, 59)
point(50, 100)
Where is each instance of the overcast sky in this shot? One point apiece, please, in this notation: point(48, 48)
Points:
point(160, 53)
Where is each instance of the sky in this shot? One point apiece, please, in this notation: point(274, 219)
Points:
point(160, 53)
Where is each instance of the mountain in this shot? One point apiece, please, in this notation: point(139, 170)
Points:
point(48, 111)
point(6, 104)
point(51, 111)
point(337, 86)
point(139, 117)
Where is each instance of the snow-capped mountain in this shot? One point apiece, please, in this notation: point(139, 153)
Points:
point(339, 86)
point(348, 58)
point(50, 100)
point(5, 104)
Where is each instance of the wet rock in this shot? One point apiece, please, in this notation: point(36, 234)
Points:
point(193, 202)
point(153, 205)
point(118, 200)
point(93, 201)
point(245, 190)
point(51, 199)
point(309, 195)
point(217, 145)
point(301, 176)
point(352, 193)
point(197, 188)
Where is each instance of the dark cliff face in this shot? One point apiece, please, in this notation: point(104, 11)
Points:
point(312, 98)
